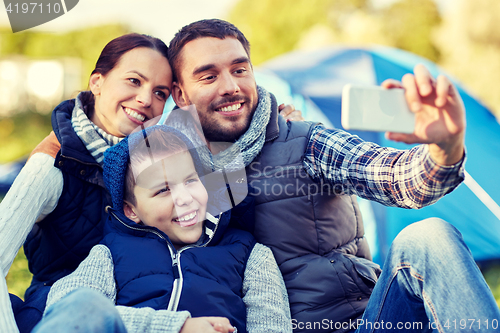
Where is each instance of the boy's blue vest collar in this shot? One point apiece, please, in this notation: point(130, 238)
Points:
point(214, 227)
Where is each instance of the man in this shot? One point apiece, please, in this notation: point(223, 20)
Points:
point(315, 231)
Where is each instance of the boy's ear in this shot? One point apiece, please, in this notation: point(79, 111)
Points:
point(178, 95)
point(129, 211)
point(95, 83)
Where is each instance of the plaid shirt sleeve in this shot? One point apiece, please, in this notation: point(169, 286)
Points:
point(402, 178)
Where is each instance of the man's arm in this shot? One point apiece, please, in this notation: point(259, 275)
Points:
point(405, 178)
point(402, 178)
point(97, 272)
point(265, 294)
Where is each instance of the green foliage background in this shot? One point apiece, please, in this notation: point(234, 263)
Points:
point(274, 27)
point(85, 44)
point(20, 133)
point(410, 24)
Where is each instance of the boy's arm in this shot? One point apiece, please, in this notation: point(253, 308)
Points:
point(97, 272)
point(264, 294)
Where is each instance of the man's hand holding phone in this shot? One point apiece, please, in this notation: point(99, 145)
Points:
point(439, 115)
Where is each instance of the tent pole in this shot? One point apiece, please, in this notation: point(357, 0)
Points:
point(482, 195)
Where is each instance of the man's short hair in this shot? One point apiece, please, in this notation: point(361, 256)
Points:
point(204, 28)
point(159, 143)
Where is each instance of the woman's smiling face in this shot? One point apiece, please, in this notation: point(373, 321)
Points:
point(134, 91)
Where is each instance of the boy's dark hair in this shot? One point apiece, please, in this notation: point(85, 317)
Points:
point(158, 142)
point(204, 28)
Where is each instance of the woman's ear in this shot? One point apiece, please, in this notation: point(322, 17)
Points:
point(95, 83)
point(129, 211)
point(178, 95)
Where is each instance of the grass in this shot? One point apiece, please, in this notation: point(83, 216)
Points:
point(19, 277)
point(492, 277)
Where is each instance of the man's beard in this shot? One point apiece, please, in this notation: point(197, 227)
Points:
point(214, 132)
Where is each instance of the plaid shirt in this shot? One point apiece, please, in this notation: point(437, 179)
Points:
point(403, 178)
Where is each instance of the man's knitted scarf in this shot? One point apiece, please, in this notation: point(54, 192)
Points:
point(252, 141)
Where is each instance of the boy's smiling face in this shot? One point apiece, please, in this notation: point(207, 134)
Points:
point(171, 197)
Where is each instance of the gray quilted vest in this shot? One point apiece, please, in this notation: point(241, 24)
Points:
point(315, 233)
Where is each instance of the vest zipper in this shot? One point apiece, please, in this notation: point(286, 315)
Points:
point(175, 256)
point(176, 263)
point(179, 279)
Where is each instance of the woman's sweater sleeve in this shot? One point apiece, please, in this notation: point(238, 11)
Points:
point(97, 272)
point(34, 194)
point(265, 294)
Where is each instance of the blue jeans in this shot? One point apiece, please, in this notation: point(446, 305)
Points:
point(83, 310)
point(430, 283)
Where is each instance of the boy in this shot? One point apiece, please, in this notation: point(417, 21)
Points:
point(163, 250)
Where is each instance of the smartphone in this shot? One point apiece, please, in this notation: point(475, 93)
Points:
point(373, 108)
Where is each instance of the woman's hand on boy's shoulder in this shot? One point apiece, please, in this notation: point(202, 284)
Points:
point(207, 325)
point(289, 113)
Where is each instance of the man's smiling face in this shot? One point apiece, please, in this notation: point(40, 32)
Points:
point(217, 77)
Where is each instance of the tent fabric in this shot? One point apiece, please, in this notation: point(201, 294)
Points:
point(318, 76)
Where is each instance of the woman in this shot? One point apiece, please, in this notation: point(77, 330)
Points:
point(61, 188)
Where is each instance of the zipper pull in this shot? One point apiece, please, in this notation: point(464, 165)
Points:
point(175, 265)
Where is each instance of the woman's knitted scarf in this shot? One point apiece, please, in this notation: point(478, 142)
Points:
point(94, 138)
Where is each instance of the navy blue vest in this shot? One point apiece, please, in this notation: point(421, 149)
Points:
point(56, 245)
point(212, 275)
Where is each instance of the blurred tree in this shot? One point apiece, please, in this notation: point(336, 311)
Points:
point(86, 44)
point(410, 23)
point(469, 42)
point(20, 133)
point(481, 21)
point(274, 27)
